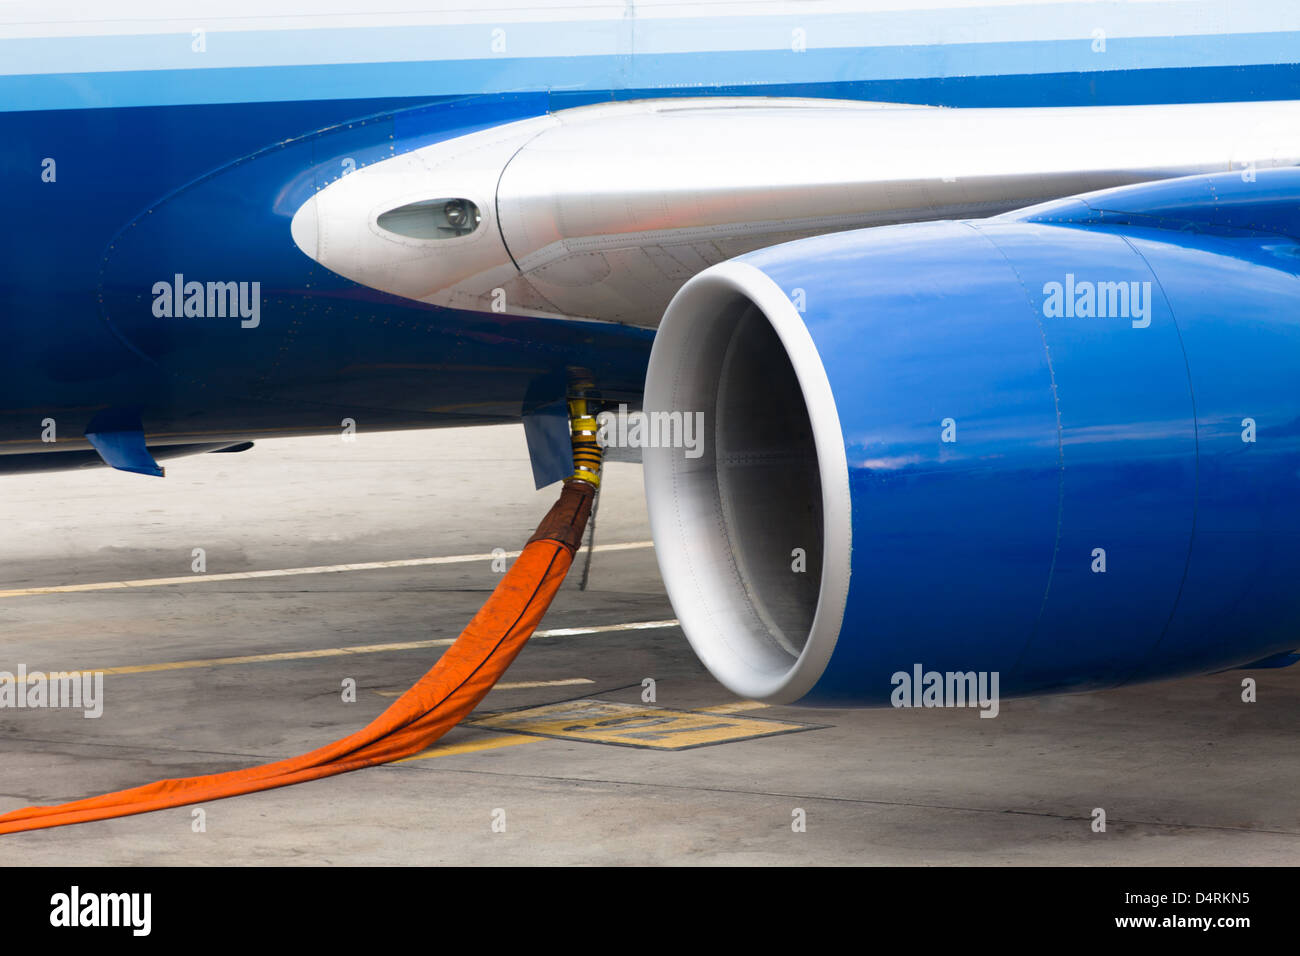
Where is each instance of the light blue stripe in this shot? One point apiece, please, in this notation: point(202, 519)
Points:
point(967, 59)
point(721, 69)
point(255, 48)
point(996, 27)
point(330, 82)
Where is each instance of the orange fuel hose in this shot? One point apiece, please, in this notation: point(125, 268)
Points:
point(441, 698)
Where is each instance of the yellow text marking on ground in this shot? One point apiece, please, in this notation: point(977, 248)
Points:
point(635, 725)
point(497, 740)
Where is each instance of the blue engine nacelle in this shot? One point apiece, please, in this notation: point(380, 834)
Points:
point(1061, 446)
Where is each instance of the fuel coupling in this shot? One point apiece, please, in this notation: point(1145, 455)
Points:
point(587, 453)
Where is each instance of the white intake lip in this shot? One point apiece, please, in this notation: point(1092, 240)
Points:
point(710, 592)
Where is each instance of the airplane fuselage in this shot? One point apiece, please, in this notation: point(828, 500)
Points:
point(177, 155)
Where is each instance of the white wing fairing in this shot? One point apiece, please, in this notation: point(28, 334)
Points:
point(603, 212)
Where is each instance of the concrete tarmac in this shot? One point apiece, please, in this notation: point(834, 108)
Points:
point(216, 671)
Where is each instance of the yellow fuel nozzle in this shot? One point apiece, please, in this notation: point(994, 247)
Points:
point(587, 453)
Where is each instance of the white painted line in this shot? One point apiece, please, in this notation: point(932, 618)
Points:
point(289, 572)
point(635, 626)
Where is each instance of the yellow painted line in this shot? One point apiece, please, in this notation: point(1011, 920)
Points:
point(736, 707)
point(262, 658)
point(290, 572)
point(344, 651)
point(633, 725)
point(515, 685)
point(492, 742)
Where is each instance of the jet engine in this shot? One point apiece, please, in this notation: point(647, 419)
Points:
point(1061, 446)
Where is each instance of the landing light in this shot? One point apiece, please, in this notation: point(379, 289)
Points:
point(432, 219)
